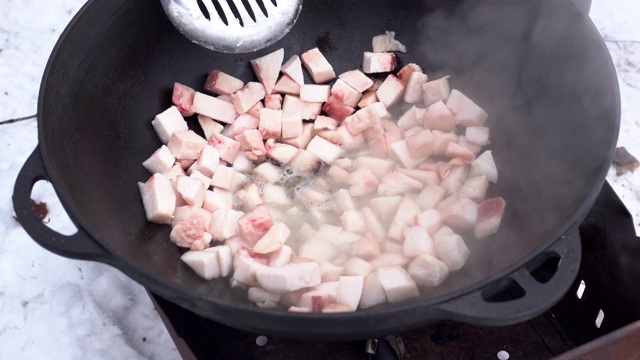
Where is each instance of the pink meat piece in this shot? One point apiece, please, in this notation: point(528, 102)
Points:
point(317, 66)
point(273, 101)
point(417, 241)
point(427, 270)
point(190, 232)
point(441, 140)
point(158, 198)
point(268, 172)
point(270, 125)
point(208, 161)
point(413, 92)
point(345, 94)
point(461, 214)
point(308, 110)
point(407, 71)
point(214, 108)
point(336, 109)
point(218, 199)
point(255, 110)
point(191, 190)
point(362, 119)
point(465, 111)
point(287, 85)
point(273, 239)
point(484, 165)
point(267, 68)
point(160, 161)
point(292, 125)
point(397, 284)
point(325, 150)
point(455, 150)
point(325, 123)
point(245, 98)
point(368, 97)
point(186, 144)
point(362, 182)
point(451, 250)
point(357, 80)
point(182, 98)
point(303, 140)
point(401, 151)
point(457, 175)
point(315, 93)
point(430, 219)
point(224, 224)
point(281, 153)
point(475, 188)
point(254, 224)
point(477, 134)
point(221, 83)
point(293, 69)
point(395, 183)
point(249, 196)
point(167, 122)
point(251, 142)
point(423, 176)
point(367, 247)
point(223, 177)
point(391, 91)
point(243, 122)
point(436, 90)
point(349, 140)
point(439, 117)
point(420, 144)
point(490, 214)
point(430, 196)
point(411, 118)
point(209, 126)
point(378, 62)
point(225, 97)
point(378, 146)
point(281, 257)
point(227, 147)
point(185, 163)
point(471, 146)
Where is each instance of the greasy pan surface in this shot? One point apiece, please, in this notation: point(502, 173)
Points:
point(538, 68)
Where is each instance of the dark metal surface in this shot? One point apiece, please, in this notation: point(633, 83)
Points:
point(554, 119)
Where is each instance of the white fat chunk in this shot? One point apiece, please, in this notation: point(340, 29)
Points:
point(205, 264)
point(167, 122)
point(290, 277)
point(426, 270)
point(397, 284)
point(160, 161)
point(451, 250)
point(350, 290)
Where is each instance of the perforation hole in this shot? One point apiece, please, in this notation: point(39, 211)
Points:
point(545, 266)
point(599, 318)
point(502, 355)
point(581, 289)
point(203, 9)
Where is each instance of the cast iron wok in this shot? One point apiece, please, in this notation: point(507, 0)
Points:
point(540, 69)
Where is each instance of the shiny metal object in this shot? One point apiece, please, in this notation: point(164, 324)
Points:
point(203, 22)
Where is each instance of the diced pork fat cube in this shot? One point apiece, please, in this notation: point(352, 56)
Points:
point(173, 173)
point(357, 267)
point(289, 277)
point(268, 172)
point(471, 146)
point(316, 300)
point(222, 83)
point(465, 111)
point(225, 258)
point(461, 214)
point(318, 250)
point(412, 131)
point(262, 298)
point(251, 142)
point(372, 292)
point(208, 161)
point(344, 93)
point(357, 80)
point(455, 150)
point(425, 177)
point(205, 264)
point(378, 62)
point(190, 233)
point(397, 284)
point(273, 239)
point(401, 151)
point(417, 241)
point(253, 225)
point(160, 161)
point(405, 215)
point(186, 164)
point(477, 134)
point(350, 290)
point(242, 164)
point(390, 259)
point(362, 182)
point(329, 287)
point(281, 257)
point(352, 220)
point(314, 93)
point(490, 214)
point(206, 181)
point(385, 207)
point(249, 196)
point(368, 97)
point(293, 69)
point(378, 146)
point(456, 178)
point(214, 108)
point(427, 270)
point(273, 101)
point(191, 190)
point(317, 66)
point(226, 97)
point(374, 225)
point(182, 98)
point(287, 86)
point(343, 200)
point(282, 153)
point(224, 224)
point(390, 91)
point(167, 122)
point(451, 250)
point(420, 144)
point(313, 198)
point(362, 119)
point(191, 212)
point(436, 90)
point(292, 125)
point(411, 118)
point(336, 109)
point(236, 242)
point(441, 140)
point(330, 271)
point(308, 110)
point(484, 165)
point(305, 162)
point(387, 42)
point(209, 126)
point(405, 73)
point(395, 183)
point(158, 198)
point(227, 147)
point(367, 247)
point(255, 110)
point(276, 195)
point(391, 246)
point(325, 150)
point(325, 123)
point(223, 177)
point(444, 204)
point(474, 188)
point(217, 199)
point(430, 219)
point(246, 266)
point(349, 140)
point(301, 141)
point(267, 68)
point(243, 122)
point(245, 98)
point(413, 92)
point(439, 117)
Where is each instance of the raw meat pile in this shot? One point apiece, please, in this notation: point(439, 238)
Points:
point(313, 196)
